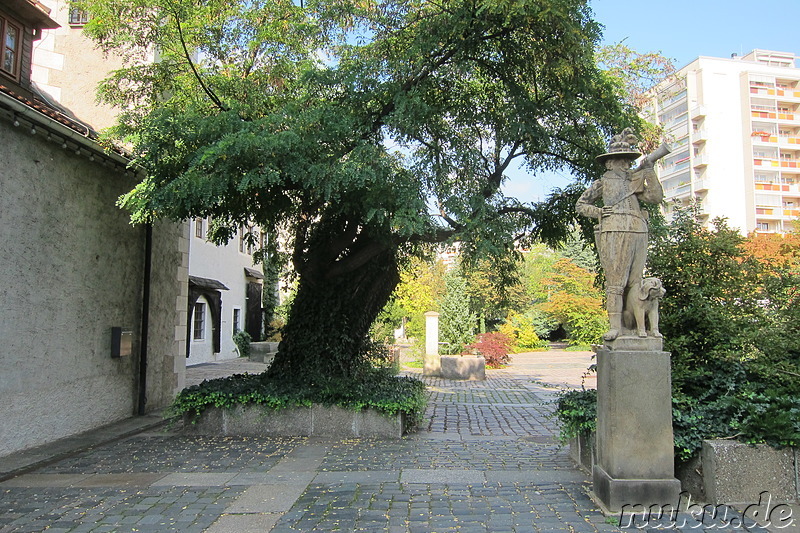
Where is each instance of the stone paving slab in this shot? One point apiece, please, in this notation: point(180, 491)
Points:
point(244, 523)
point(267, 499)
point(206, 479)
point(441, 475)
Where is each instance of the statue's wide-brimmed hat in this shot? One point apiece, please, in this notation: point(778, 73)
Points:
point(617, 154)
point(620, 147)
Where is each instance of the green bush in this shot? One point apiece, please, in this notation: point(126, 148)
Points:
point(521, 331)
point(576, 411)
point(732, 327)
point(457, 323)
point(242, 340)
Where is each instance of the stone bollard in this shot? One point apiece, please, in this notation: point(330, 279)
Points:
point(431, 363)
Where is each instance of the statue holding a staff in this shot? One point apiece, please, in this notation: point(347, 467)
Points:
point(622, 229)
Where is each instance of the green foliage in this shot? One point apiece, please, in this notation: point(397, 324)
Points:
point(576, 302)
point(521, 331)
point(456, 323)
point(382, 392)
point(576, 411)
point(543, 323)
point(420, 288)
point(731, 327)
point(242, 340)
point(412, 105)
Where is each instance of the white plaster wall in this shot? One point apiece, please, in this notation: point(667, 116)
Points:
point(225, 264)
point(71, 267)
point(725, 149)
point(202, 350)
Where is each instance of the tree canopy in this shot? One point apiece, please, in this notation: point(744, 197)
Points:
point(366, 129)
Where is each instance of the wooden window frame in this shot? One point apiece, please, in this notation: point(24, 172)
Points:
point(5, 22)
point(78, 17)
point(199, 322)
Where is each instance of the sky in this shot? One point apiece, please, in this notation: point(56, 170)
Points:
point(682, 30)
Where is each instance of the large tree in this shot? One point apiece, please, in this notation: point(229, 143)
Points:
point(371, 129)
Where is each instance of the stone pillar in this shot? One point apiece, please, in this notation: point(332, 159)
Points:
point(635, 457)
point(432, 364)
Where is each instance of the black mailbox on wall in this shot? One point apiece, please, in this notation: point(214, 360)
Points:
point(121, 342)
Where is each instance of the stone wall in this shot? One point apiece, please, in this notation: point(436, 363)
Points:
point(71, 268)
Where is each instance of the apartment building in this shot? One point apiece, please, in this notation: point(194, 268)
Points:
point(734, 127)
point(224, 287)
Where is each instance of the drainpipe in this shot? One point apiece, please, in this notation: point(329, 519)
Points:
point(148, 260)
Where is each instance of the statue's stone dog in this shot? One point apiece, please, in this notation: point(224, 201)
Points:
point(642, 303)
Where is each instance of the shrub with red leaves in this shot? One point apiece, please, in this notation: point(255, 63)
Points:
point(494, 347)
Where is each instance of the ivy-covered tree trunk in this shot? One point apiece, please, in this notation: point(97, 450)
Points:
point(328, 327)
point(269, 297)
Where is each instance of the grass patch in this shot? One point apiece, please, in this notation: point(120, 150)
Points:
point(414, 364)
point(578, 348)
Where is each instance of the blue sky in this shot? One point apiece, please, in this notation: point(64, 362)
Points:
point(683, 30)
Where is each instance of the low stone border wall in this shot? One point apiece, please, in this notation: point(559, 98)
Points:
point(315, 421)
point(466, 367)
point(726, 472)
point(582, 451)
point(263, 352)
point(738, 473)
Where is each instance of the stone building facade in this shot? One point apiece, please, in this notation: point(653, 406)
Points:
point(73, 269)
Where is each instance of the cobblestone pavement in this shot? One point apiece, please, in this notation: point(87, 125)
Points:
point(487, 459)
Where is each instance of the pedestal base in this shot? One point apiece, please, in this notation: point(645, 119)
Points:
point(431, 365)
point(618, 493)
point(635, 447)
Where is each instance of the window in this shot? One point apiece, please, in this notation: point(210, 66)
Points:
point(237, 320)
point(762, 226)
point(78, 17)
point(199, 322)
point(198, 228)
point(246, 237)
point(11, 36)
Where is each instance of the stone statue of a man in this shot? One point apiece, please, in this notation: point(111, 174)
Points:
point(621, 232)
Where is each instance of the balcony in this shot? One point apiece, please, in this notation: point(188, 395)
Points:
point(776, 187)
point(764, 162)
point(769, 212)
point(675, 192)
point(700, 185)
point(699, 136)
point(763, 114)
point(765, 138)
point(784, 140)
point(697, 111)
point(794, 213)
point(700, 161)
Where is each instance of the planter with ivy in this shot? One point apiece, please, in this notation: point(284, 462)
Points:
point(576, 411)
point(383, 406)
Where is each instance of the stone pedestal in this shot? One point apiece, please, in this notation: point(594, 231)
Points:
point(635, 461)
point(431, 363)
point(466, 367)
